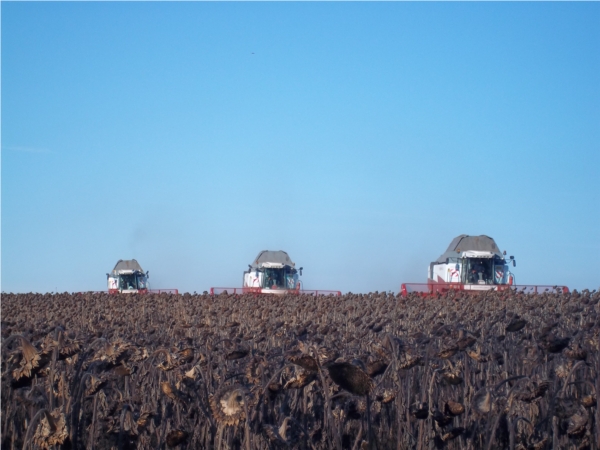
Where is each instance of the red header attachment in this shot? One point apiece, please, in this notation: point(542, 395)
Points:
point(426, 289)
point(258, 290)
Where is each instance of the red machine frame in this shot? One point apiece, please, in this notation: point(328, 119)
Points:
point(148, 291)
point(442, 288)
point(258, 290)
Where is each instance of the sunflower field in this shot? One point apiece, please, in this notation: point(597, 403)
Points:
point(495, 370)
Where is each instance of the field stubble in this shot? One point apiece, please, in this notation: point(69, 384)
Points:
point(496, 370)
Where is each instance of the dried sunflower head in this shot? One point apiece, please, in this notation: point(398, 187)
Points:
point(29, 361)
point(350, 377)
point(448, 352)
point(185, 356)
point(255, 370)
point(482, 401)
point(307, 362)
point(68, 347)
point(228, 404)
point(376, 367)
point(387, 396)
point(562, 370)
point(145, 415)
point(172, 392)
point(111, 351)
point(588, 400)
point(114, 350)
point(408, 361)
point(577, 424)
point(94, 384)
point(532, 390)
point(51, 430)
point(301, 379)
point(452, 375)
point(453, 408)
point(576, 352)
point(477, 355)
point(176, 437)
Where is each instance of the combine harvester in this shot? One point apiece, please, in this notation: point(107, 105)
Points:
point(473, 263)
point(128, 277)
point(272, 272)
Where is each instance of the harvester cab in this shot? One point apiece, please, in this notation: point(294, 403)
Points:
point(127, 277)
point(273, 272)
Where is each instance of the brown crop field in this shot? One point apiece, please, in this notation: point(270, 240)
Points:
point(491, 371)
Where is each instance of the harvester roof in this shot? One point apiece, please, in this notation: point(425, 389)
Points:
point(127, 266)
point(269, 258)
point(465, 243)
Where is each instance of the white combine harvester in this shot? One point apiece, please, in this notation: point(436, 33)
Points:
point(272, 272)
point(472, 263)
point(128, 277)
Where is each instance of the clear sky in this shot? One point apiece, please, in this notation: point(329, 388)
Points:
point(359, 137)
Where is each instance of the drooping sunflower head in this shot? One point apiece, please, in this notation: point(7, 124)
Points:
point(255, 370)
point(350, 377)
point(30, 359)
point(228, 405)
point(51, 430)
point(176, 437)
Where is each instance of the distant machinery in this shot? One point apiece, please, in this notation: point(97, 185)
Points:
point(128, 277)
point(272, 272)
point(472, 263)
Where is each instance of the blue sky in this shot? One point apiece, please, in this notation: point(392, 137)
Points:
point(359, 137)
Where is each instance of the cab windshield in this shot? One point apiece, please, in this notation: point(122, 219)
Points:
point(279, 278)
point(484, 271)
point(132, 282)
